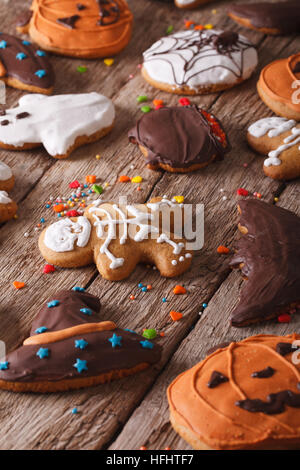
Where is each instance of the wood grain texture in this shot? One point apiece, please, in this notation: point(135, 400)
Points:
point(131, 412)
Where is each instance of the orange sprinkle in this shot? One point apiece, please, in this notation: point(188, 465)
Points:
point(167, 448)
point(188, 23)
point(223, 250)
point(175, 315)
point(199, 26)
point(132, 297)
point(157, 102)
point(162, 334)
point(149, 287)
point(143, 448)
point(18, 285)
point(179, 290)
point(58, 208)
point(124, 179)
point(90, 178)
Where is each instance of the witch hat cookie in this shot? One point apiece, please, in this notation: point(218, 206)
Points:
point(89, 29)
point(278, 139)
point(70, 348)
point(243, 396)
point(268, 255)
point(61, 123)
point(116, 238)
point(8, 207)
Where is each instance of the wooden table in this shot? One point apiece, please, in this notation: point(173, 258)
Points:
point(132, 412)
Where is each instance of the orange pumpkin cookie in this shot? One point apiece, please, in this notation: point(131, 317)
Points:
point(243, 396)
point(279, 85)
point(89, 29)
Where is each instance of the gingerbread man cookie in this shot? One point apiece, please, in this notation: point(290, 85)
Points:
point(89, 29)
point(196, 62)
point(24, 66)
point(268, 18)
point(60, 123)
point(179, 139)
point(268, 255)
point(116, 238)
point(278, 87)
point(279, 139)
point(69, 348)
point(8, 208)
point(243, 396)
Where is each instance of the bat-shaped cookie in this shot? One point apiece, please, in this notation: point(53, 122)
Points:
point(69, 348)
point(60, 123)
point(116, 238)
point(279, 139)
point(268, 255)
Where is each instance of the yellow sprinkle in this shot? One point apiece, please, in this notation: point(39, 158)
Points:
point(106, 184)
point(214, 12)
point(16, 216)
point(98, 157)
point(136, 179)
point(72, 204)
point(208, 26)
point(179, 199)
point(108, 62)
point(276, 199)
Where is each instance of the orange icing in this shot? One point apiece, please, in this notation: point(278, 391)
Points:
point(277, 78)
point(87, 38)
point(54, 336)
point(211, 413)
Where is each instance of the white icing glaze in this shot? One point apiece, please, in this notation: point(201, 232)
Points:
point(5, 172)
point(62, 235)
point(56, 121)
point(274, 127)
point(204, 67)
point(164, 202)
point(185, 2)
point(4, 199)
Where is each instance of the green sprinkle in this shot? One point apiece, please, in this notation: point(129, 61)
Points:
point(169, 29)
point(97, 189)
point(142, 98)
point(145, 109)
point(150, 334)
point(81, 69)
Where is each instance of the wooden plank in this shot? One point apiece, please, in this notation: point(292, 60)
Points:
point(46, 421)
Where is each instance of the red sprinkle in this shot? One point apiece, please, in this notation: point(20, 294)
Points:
point(48, 268)
point(73, 213)
point(242, 192)
point(184, 101)
point(74, 185)
point(284, 318)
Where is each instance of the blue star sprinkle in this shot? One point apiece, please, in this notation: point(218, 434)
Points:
point(21, 56)
point(53, 303)
point(41, 329)
point(146, 344)
point(4, 365)
point(40, 73)
point(43, 353)
point(40, 53)
point(81, 343)
point(80, 365)
point(115, 340)
point(74, 411)
point(26, 43)
point(3, 44)
point(130, 331)
point(78, 289)
point(86, 311)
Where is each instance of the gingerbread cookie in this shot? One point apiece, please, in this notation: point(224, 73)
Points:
point(90, 29)
point(116, 238)
point(279, 139)
point(8, 208)
point(24, 66)
point(60, 123)
point(278, 87)
point(196, 62)
point(243, 396)
point(268, 18)
point(179, 139)
point(69, 348)
point(268, 255)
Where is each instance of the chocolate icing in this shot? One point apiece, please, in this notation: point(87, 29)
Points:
point(24, 70)
point(69, 21)
point(296, 68)
point(275, 404)
point(284, 16)
point(216, 379)
point(177, 136)
point(109, 12)
point(285, 348)
point(264, 373)
point(25, 366)
point(270, 258)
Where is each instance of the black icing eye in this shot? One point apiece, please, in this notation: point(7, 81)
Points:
point(296, 68)
point(264, 373)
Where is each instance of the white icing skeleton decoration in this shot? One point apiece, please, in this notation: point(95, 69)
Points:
point(117, 237)
point(56, 121)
